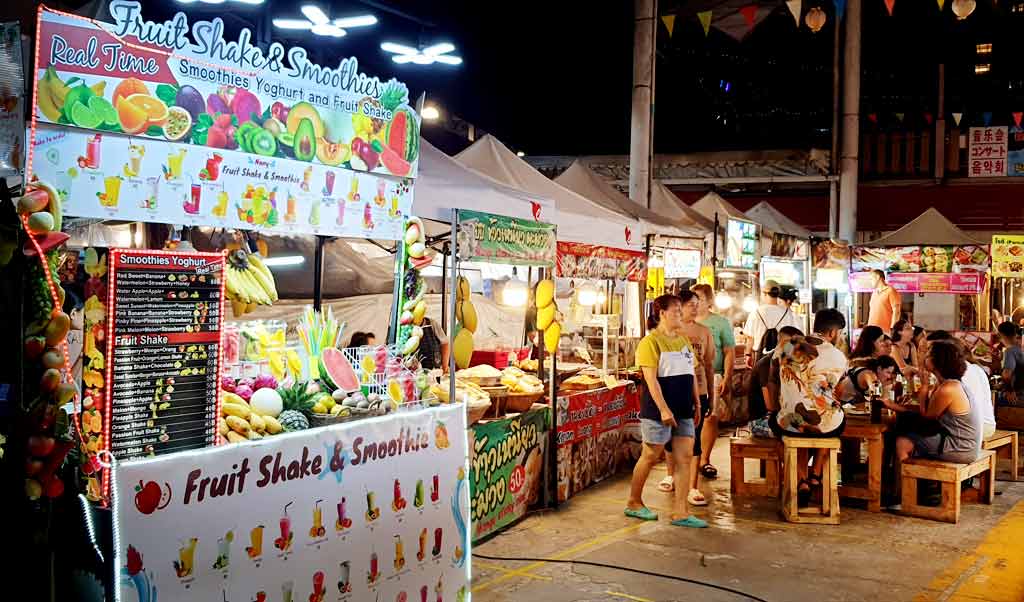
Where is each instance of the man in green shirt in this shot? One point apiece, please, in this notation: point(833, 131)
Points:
point(725, 343)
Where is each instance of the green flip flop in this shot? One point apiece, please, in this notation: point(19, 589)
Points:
point(644, 513)
point(690, 521)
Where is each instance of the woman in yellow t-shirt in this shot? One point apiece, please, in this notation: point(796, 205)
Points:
point(668, 408)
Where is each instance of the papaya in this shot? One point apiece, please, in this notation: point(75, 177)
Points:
point(545, 316)
point(462, 347)
point(57, 329)
point(34, 200)
point(551, 337)
point(545, 293)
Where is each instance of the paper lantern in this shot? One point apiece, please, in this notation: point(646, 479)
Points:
point(815, 19)
point(963, 8)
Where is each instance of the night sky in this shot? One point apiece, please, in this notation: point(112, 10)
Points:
point(554, 77)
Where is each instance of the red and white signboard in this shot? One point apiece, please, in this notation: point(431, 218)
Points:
point(916, 282)
point(987, 152)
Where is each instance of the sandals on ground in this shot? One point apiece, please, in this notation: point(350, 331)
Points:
point(667, 485)
point(696, 498)
point(709, 471)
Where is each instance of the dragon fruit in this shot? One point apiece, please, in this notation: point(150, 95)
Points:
point(227, 384)
point(264, 381)
point(243, 391)
point(248, 382)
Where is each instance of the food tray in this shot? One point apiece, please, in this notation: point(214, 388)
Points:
point(483, 382)
point(498, 396)
point(521, 402)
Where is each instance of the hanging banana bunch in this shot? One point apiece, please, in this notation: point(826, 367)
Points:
point(248, 282)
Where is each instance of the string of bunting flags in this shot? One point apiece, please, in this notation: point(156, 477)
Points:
point(986, 118)
point(729, 19)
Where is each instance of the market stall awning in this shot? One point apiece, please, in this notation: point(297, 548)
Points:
point(773, 220)
point(580, 179)
point(711, 203)
point(666, 203)
point(444, 184)
point(578, 219)
point(929, 228)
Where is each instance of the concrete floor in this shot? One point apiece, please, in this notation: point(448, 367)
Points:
point(748, 548)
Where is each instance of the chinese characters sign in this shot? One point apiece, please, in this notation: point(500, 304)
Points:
point(987, 152)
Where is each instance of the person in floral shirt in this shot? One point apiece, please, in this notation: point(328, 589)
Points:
point(810, 368)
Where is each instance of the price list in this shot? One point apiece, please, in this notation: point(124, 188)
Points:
point(165, 310)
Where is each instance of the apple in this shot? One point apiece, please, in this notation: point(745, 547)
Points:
point(54, 488)
point(33, 466)
point(148, 497)
point(40, 446)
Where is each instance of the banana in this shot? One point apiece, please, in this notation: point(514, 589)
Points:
point(238, 308)
point(259, 294)
point(45, 101)
point(235, 287)
point(58, 88)
point(267, 284)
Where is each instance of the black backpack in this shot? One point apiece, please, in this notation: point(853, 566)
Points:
point(770, 338)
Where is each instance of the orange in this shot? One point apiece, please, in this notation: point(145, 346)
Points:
point(128, 87)
point(134, 118)
point(156, 110)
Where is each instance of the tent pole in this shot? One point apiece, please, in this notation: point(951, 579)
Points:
point(318, 272)
point(444, 288)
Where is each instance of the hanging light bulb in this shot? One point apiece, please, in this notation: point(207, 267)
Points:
point(602, 297)
point(815, 19)
point(586, 295)
point(514, 294)
point(723, 300)
point(963, 8)
point(749, 304)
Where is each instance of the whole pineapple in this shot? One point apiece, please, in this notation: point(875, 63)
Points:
point(297, 402)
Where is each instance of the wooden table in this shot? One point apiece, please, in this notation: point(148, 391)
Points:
point(859, 429)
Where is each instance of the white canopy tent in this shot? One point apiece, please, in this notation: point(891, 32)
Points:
point(578, 218)
point(929, 228)
point(773, 220)
point(444, 183)
point(664, 202)
point(582, 180)
point(712, 203)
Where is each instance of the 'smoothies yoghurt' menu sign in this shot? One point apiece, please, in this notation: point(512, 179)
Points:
point(173, 122)
point(370, 510)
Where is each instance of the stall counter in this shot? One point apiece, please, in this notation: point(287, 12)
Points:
point(598, 434)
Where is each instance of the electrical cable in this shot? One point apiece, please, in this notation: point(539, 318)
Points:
point(627, 569)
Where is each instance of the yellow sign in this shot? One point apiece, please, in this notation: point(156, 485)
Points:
point(655, 283)
point(1008, 256)
point(707, 276)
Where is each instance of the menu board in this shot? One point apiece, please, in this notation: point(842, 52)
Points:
point(966, 284)
point(1008, 255)
point(740, 244)
point(164, 312)
point(682, 263)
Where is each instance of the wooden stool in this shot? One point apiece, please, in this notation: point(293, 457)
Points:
point(769, 452)
point(828, 514)
point(1004, 443)
point(950, 474)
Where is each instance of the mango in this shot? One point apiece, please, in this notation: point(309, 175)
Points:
point(238, 425)
point(53, 359)
point(51, 378)
point(234, 437)
point(551, 337)
point(66, 392)
point(462, 292)
point(57, 329)
point(545, 316)
point(419, 312)
point(40, 221)
point(468, 312)
point(545, 293)
point(235, 399)
point(33, 201)
point(462, 347)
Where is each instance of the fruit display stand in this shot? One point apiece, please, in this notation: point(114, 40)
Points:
point(154, 142)
point(502, 492)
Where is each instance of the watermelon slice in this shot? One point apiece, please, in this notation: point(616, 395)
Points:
point(336, 372)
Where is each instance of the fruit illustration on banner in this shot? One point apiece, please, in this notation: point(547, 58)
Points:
point(372, 510)
point(398, 502)
point(317, 530)
point(150, 497)
point(255, 548)
point(186, 557)
point(284, 542)
point(441, 436)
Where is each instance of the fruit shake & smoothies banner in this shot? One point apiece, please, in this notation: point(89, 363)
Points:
point(172, 122)
point(372, 510)
point(506, 464)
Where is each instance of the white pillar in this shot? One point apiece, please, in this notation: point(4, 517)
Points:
point(848, 167)
point(640, 147)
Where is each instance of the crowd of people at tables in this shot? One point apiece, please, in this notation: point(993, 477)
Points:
point(801, 384)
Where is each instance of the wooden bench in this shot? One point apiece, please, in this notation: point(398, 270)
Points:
point(951, 475)
point(1004, 443)
point(828, 513)
point(768, 452)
